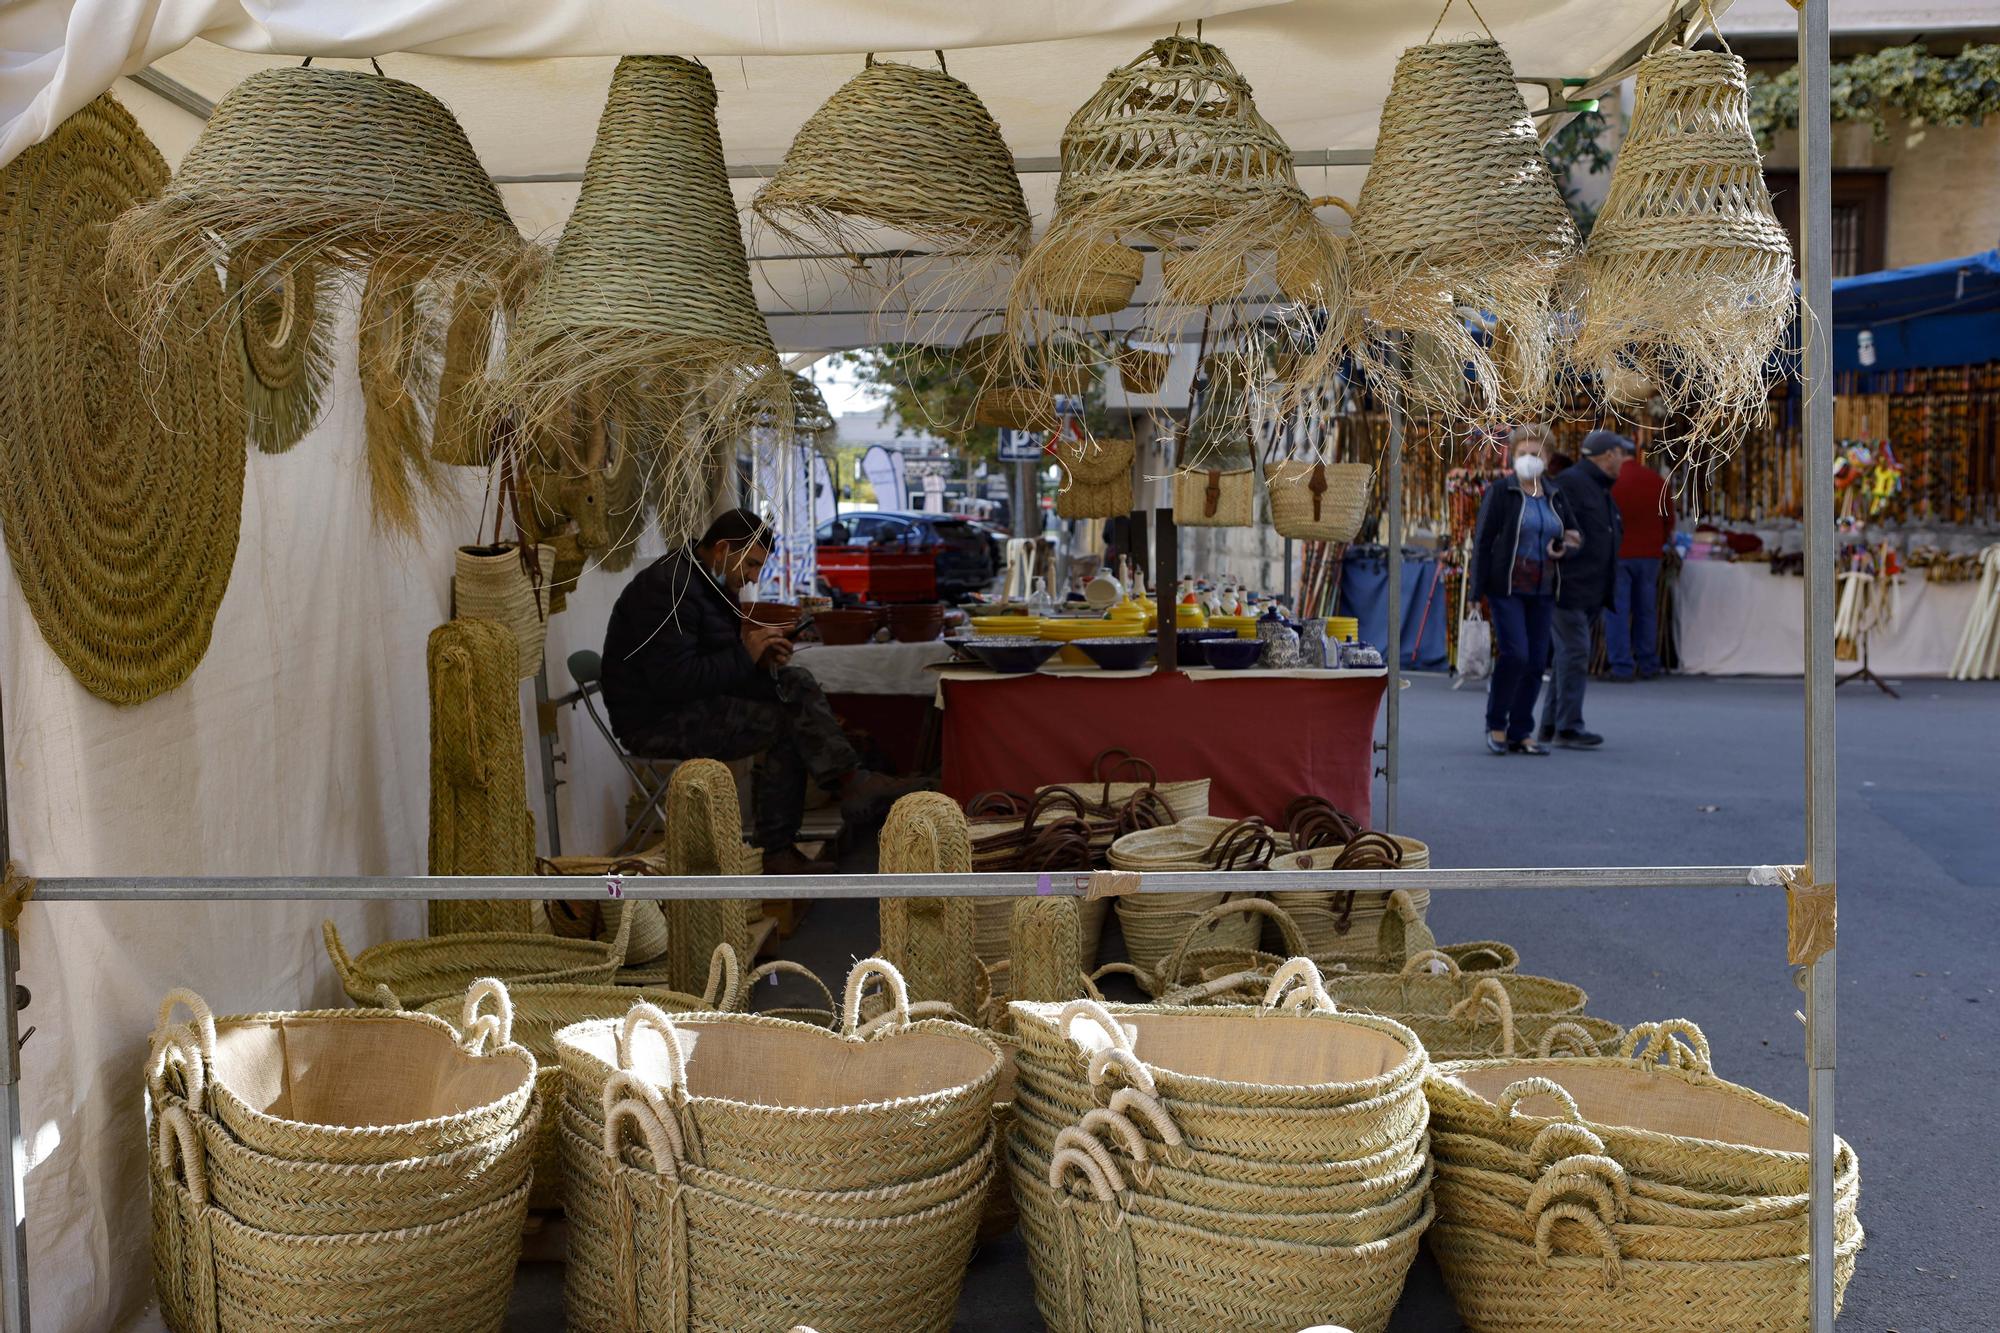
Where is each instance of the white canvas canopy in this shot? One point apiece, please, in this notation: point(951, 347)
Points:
point(298, 745)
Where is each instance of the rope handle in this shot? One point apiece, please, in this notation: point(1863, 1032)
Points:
point(1565, 1039)
point(1515, 1093)
point(1564, 1138)
point(1295, 943)
point(176, 1047)
point(1589, 1219)
point(1318, 202)
point(1594, 1174)
point(386, 998)
point(1127, 1100)
point(202, 1018)
point(1420, 962)
point(1447, 9)
point(917, 1012)
point(1125, 759)
point(1131, 1066)
point(1090, 979)
point(1487, 997)
point(350, 976)
point(789, 968)
point(663, 1143)
point(1123, 1131)
point(725, 979)
point(174, 1139)
point(1675, 1043)
point(857, 980)
point(648, 1015)
point(1201, 991)
point(1298, 985)
point(1096, 1013)
point(1081, 1160)
point(484, 1032)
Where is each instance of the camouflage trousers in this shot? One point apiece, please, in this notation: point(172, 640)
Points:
point(796, 734)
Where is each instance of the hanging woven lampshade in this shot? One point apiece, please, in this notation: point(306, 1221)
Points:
point(1170, 150)
point(122, 496)
point(336, 168)
point(1460, 217)
point(648, 291)
point(285, 344)
point(1687, 279)
point(907, 148)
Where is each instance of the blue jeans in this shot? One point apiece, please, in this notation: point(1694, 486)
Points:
point(1564, 710)
point(1631, 626)
point(1520, 646)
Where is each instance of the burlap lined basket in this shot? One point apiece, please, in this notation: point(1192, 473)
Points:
point(1315, 501)
point(124, 485)
point(930, 940)
point(352, 1086)
point(1097, 478)
point(1215, 498)
point(503, 584)
point(1417, 994)
point(785, 1104)
point(413, 973)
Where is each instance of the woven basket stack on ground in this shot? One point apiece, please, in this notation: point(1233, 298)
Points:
point(732, 1171)
point(1189, 1170)
point(1154, 923)
point(1637, 1192)
point(337, 1169)
point(409, 974)
point(1464, 1015)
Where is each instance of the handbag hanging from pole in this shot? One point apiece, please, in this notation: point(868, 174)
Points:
point(1208, 494)
point(1097, 476)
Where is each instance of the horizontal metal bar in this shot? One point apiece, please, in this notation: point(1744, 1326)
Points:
point(1006, 884)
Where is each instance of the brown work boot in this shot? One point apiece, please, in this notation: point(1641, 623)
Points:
point(792, 861)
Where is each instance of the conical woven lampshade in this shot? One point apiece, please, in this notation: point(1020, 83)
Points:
point(120, 497)
point(1688, 273)
point(1170, 150)
point(648, 290)
point(902, 147)
point(339, 168)
point(1460, 212)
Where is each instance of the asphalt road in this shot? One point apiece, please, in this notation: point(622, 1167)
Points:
point(1709, 772)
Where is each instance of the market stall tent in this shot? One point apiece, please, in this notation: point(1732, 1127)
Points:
point(296, 747)
point(1945, 313)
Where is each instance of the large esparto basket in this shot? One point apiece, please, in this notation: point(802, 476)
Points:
point(355, 1086)
point(1186, 797)
point(782, 1103)
point(1675, 1123)
point(215, 1274)
point(1321, 502)
point(504, 584)
point(1417, 992)
point(412, 973)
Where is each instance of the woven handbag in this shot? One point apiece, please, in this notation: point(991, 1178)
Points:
point(1187, 797)
point(1313, 501)
point(510, 584)
point(409, 974)
point(1214, 498)
point(1097, 481)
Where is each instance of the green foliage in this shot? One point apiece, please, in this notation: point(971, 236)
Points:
point(1908, 81)
point(930, 393)
point(1575, 151)
point(849, 482)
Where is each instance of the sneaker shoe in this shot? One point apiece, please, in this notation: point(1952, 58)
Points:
point(1579, 740)
point(792, 861)
point(1493, 746)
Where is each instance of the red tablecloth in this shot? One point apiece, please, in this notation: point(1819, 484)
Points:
point(1261, 740)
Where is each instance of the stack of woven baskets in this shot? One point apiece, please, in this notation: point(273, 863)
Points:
point(1637, 1192)
point(733, 1171)
point(352, 1168)
point(1199, 1169)
point(408, 974)
point(1154, 923)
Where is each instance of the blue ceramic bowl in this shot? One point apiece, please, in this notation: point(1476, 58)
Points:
point(1232, 654)
point(957, 642)
point(1013, 657)
point(1118, 654)
point(1191, 641)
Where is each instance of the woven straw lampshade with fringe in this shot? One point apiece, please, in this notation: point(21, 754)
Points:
point(1687, 278)
point(336, 168)
point(1460, 212)
point(648, 292)
point(283, 337)
point(122, 494)
point(1170, 149)
point(480, 823)
point(907, 148)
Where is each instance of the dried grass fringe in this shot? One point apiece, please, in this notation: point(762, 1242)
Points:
point(285, 338)
point(399, 372)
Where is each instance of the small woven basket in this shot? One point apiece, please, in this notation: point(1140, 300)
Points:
point(1141, 370)
point(1418, 993)
point(1314, 501)
point(1088, 278)
point(500, 583)
point(1098, 478)
point(1215, 498)
point(409, 974)
point(1016, 407)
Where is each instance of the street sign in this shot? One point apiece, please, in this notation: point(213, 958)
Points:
point(1020, 446)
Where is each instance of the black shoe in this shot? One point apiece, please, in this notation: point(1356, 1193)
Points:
point(792, 861)
point(1651, 675)
point(1617, 678)
point(1527, 747)
point(1579, 740)
point(1493, 746)
point(1546, 735)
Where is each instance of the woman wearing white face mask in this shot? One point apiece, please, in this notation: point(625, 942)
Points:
point(1524, 531)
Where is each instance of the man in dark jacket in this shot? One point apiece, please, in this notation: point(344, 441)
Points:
point(688, 676)
point(1589, 582)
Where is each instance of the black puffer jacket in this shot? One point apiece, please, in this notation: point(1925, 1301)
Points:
point(1590, 573)
point(674, 640)
point(1497, 533)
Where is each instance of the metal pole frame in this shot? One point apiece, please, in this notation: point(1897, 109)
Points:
point(1392, 507)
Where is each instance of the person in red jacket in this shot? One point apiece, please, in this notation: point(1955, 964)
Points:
point(1631, 626)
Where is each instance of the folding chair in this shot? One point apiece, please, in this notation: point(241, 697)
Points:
point(649, 774)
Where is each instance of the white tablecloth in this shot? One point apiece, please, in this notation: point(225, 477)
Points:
point(1742, 620)
point(874, 668)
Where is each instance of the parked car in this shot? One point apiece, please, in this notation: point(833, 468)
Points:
point(964, 553)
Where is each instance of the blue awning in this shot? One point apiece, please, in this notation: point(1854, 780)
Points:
point(1941, 314)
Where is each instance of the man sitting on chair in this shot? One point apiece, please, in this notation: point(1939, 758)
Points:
point(687, 675)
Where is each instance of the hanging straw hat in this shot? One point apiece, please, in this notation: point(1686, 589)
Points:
point(338, 168)
point(648, 290)
point(902, 147)
point(1172, 149)
point(283, 338)
point(122, 499)
point(1460, 210)
point(1687, 279)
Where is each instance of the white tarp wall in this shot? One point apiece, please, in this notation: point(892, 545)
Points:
point(299, 746)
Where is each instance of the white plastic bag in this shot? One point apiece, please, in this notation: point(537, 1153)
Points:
point(1475, 649)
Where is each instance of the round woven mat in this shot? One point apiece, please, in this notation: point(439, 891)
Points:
point(123, 493)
